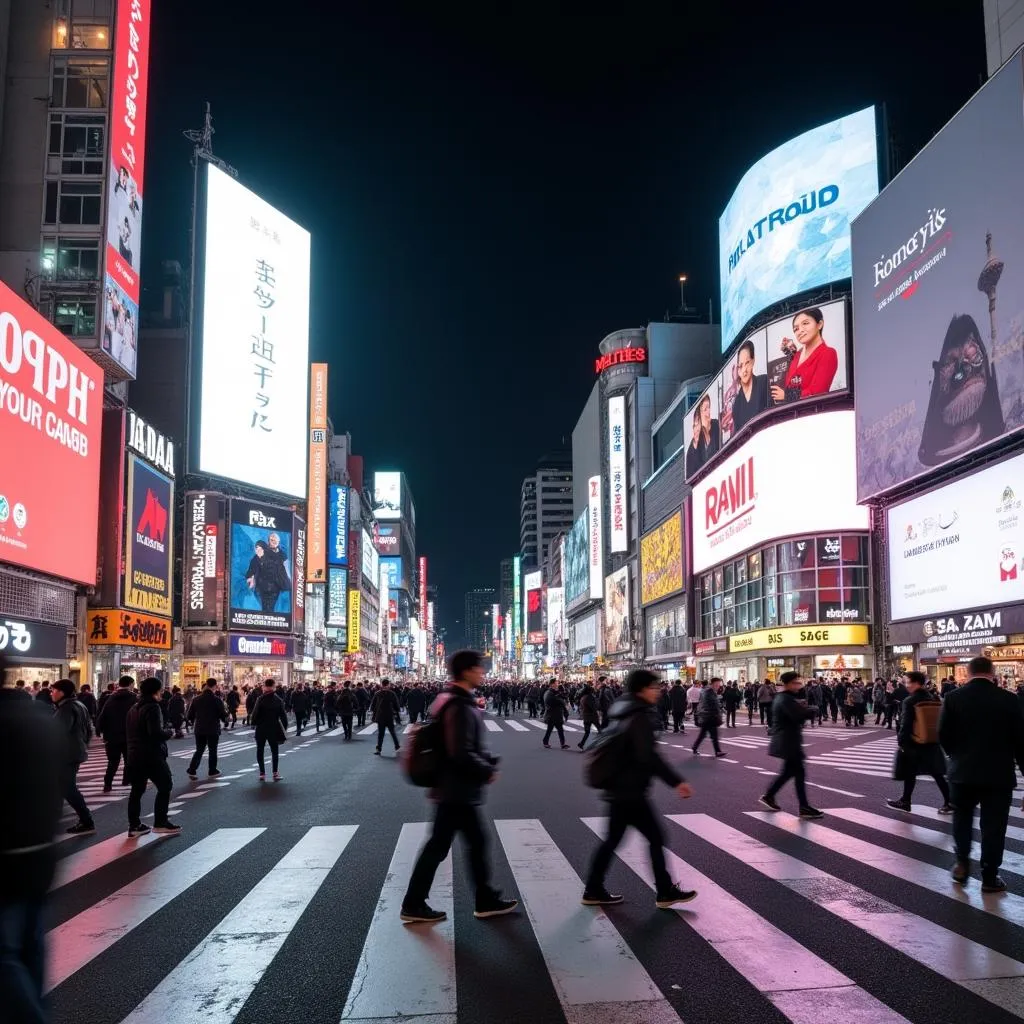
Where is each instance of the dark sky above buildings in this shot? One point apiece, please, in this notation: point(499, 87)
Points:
point(488, 197)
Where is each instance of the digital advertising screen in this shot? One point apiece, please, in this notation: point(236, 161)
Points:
point(765, 490)
point(50, 425)
point(386, 538)
point(786, 228)
point(149, 539)
point(618, 483)
point(556, 621)
point(938, 296)
point(577, 562)
point(617, 623)
point(387, 495)
point(337, 525)
point(261, 567)
point(960, 546)
point(595, 538)
point(392, 566)
point(255, 331)
point(203, 562)
point(661, 560)
point(337, 597)
point(317, 501)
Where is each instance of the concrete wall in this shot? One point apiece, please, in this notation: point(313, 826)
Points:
point(1004, 30)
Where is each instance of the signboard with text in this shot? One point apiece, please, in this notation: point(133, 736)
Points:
point(106, 627)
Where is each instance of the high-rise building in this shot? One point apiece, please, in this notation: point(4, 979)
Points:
point(545, 507)
point(476, 626)
point(506, 585)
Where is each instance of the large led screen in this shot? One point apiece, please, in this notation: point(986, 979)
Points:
point(616, 611)
point(938, 296)
point(787, 226)
point(387, 495)
point(577, 562)
point(661, 560)
point(960, 546)
point(261, 567)
point(790, 479)
point(791, 360)
point(149, 539)
point(255, 352)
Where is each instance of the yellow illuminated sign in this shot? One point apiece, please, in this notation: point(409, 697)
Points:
point(353, 621)
point(799, 636)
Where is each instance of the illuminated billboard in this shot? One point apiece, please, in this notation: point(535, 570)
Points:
point(337, 524)
point(261, 567)
point(369, 560)
point(661, 560)
point(392, 567)
point(577, 562)
point(203, 564)
point(618, 485)
point(595, 538)
point(255, 329)
point(786, 228)
point(617, 619)
point(556, 622)
point(149, 539)
point(337, 597)
point(317, 491)
point(423, 586)
point(387, 495)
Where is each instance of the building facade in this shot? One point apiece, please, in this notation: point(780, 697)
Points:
point(545, 507)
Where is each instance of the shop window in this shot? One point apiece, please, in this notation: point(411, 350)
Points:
point(770, 563)
point(79, 84)
point(855, 550)
point(717, 624)
point(730, 620)
point(771, 612)
point(796, 554)
point(90, 36)
point(754, 565)
point(855, 606)
point(855, 578)
point(742, 618)
point(730, 576)
point(755, 619)
point(741, 570)
point(795, 582)
point(799, 608)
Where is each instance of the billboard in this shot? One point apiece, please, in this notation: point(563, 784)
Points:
point(517, 622)
point(299, 589)
point(789, 479)
point(577, 562)
point(316, 554)
point(595, 537)
point(790, 360)
point(556, 621)
point(261, 567)
point(369, 560)
point(618, 484)
point(149, 539)
point(938, 296)
point(107, 627)
point(122, 254)
point(423, 586)
point(51, 406)
point(337, 596)
point(387, 495)
point(386, 539)
point(337, 525)
point(617, 620)
point(255, 329)
point(661, 560)
point(787, 226)
point(392, 566)
point(203, 568)
point(249, 646)
point(354, 621)
point(960, 546)
point(535, 632)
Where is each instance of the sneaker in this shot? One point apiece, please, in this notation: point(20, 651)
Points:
point(107, 789)
point(168, 828)
point(422, 915)
point(961, 872)
point(769, 802)
point(811, 813)
point(667, 900)
point(599, 897)
point(134, 831)
point(277, 776)
point(547, 746)
point(993, 884)
point(898, 805)
point(263, 777)
point(720, 753)
point(192, 775)
point(83, 828)
point(946, 809)
point(214, 773)
point(565, 746)
point(377, 752)
point(495, 907)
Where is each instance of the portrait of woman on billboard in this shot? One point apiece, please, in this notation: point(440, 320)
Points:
point(751, 395)
point(693, 462)
point(267, 573)
point(810, 364)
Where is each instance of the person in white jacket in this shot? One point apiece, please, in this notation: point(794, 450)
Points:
point(693, 699)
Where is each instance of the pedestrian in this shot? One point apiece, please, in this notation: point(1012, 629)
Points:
point(88, 701)
point(788, 715)
point(316, 698)
point(555, 714)
point(466, 769)
point(637, 761)
point(588, 713)
point(732, 699)
point(176, 712)
point(709, 716)
point(386, 713)
point(347, 705)
point(75, 729)
point(207, 713)
point(362, 704)
point(765, 697)
point(250, 702)
point(919, 752)
point(415, 704)
point(981, 729)
point(110, 724)
point(233, 699)
point(677, 701)
point(270, 720)
point(300, 708)
point(147, 735)
point(693, 699)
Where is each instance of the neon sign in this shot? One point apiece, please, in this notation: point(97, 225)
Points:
point(618, 357)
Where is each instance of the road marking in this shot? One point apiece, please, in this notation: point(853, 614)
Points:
point(492, 726)
point(597, 978)
point(517, 726)
point(334, 732)
point(77, 865)
point(407, 971)
point(1012, 831)
point(191, 796)
point(535, 723)
point(801, 985)
point(728, 760)
point(86, 935)
point(832, 789)
point(217, 977)
point(368, 730)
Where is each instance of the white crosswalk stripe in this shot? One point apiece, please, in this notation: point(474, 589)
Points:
point(874, 758)
point(516, 726)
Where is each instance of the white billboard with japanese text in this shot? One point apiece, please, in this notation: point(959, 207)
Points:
point(618, 525)
point(595, 538)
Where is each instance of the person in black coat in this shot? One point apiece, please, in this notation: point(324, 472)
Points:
point(110, 724)
point(555, 714)
point(331, 705)
point(270, 720)
point(981, 729)
point(76, 728)
point(176, 712)
point(88, 700)
point(677, 702)
point(386, 713)
point(147, 736)
point(588, 712)
point(299, 703)
point(732, 699)
point(788, 716)
point(233, 699)
point(348, 704)
point(207, 713)
point(415, 704)
point(913, 758)
point(362, 704)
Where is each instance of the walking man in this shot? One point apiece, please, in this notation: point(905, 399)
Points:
point(346, 708)
point(981, 729)
point(467, 768)
point(555, 714)
point(147, 761)
point(788, 715)
point(76, 731)
point(386, 713)
point(637, 762)
point(709, 716)
point(588, 712)
point(207, 713)
point(677, 702)
point(110, 724)
point(270, 720)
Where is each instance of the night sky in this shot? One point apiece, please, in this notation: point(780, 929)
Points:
point(488, 198)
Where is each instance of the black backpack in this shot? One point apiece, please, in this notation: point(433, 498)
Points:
point(424, 753)
point(604, 760)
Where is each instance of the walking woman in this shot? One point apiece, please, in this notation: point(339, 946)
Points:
point(270, 720)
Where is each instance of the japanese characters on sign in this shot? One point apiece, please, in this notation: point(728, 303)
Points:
point(149, 539)
point(354, 614)
point(316, 568)
point(23, 639)
point(107, 627)
point(618, 526)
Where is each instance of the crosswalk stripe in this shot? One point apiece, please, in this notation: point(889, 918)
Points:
point(799, 983)
point(1006, 906)
point(492, 725)
point(535, 723)
point(369, 729)
point(995, 977)
point(334, 732)
point(78, 865)
point(517, 726)
point(597, 978)
point(84, 937)
point(407, 971)
point(207, 984)
point(1012, 831)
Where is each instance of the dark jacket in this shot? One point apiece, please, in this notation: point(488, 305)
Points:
point(641, 761)
point(913, 759)
point(233, 699)
point(467, 766)
point(111, 721)
point(677, 698)
point(362, 697)
point(147, 735)
point(75, 729)
point(88, 701)
point(981, 730)
point(555, 712)
point(384, 707)
point(588, 706)
point(788, 717)
point(416, 701)
point(347, 702)
point(207, 712)
point(176, 710)
point(267, 713)
point(299, 702)
point(709, 708)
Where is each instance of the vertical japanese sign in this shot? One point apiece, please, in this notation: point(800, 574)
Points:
point(423, 588)
point(354, 613)
point(517, 614)
point(337, 525)
point(301, 554)
point(337, 596)
point(204, 560)
point(149, 539)
point(596, 539)
point(316, 554)
point(618, 527)
point(122, 255)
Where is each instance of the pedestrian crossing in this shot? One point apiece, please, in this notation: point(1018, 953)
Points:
point(748, 929)
point(874, 758)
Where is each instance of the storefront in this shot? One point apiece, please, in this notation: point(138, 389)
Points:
point(36, 652)
point(255, 658)
point(122, 642)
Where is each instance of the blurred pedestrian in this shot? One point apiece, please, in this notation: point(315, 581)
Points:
point(75, 728)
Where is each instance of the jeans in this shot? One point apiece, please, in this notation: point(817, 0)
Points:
point(117, 753)
point(22, 960)
point(346, 724)
point(390, 727)
point(449, 819)
point(261, 743)
point(561, 734)
point(995, 813)
point(202, 744)
point(624, 813)
point(587, 726)
point(69, 787)
point(708, 730)
point(159, 774)
point(792, 768)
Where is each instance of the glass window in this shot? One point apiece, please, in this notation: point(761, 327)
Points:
point(794, 582)
point(85, 36)
point(71, 259)
point(855, 606)
point(754, 565)
point(796, 554)
point(79, 84)
point(74, 202)
point(799, 608)
point(771, 611)
point(741, 571)
point(855, 550)
point(730, 620)
point(755, 620)
point(754, 590)
point(855, 578)
point(706, 584)
point(717, 624)
point(50, 203)
point(730, 576)
point(719, 581)
point(76, 143)
point(741, 617)
point(769, 561)
point(75, 316)
point(668, 439)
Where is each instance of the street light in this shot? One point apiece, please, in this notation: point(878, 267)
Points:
point(682, 293)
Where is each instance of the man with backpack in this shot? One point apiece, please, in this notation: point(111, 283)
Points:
point(76, 730)
point(622, 764)
point(463, 768)
point(919, 752)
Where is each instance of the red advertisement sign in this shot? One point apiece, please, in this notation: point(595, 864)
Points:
point(125, 178)
point(51, 405)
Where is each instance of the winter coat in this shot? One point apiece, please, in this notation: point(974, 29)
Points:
point(981, 729)
point(75, 729)
point(111, 721)
point(384, 707)
point(176, 710)
point(677, 699)
point(207, 712)
point(467, 765)
point(555, 712)
point(709, 710)
point(788, 717)
point(146, 733)
point(267, 713)
point(765, 694)
point(640, 760)
point(588, 707)
point(913, 759)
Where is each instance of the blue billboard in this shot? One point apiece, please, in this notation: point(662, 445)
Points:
point(393, 568)
point(337, 525)
point(577, 562)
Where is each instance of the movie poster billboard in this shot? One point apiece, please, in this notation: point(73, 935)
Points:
point(661, 560)
point(149, 539)
point(617, 622)
point(577, 562)
point(938, 296)
point(262, 570)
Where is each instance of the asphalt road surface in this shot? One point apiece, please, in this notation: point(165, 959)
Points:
point(278, 903)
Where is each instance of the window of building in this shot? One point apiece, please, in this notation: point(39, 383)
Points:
point(666, 631)
point(72, 202)
point(76, 144)
point(79, 83)
point(71, 259)
point(86, 35)
point(75, 315)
